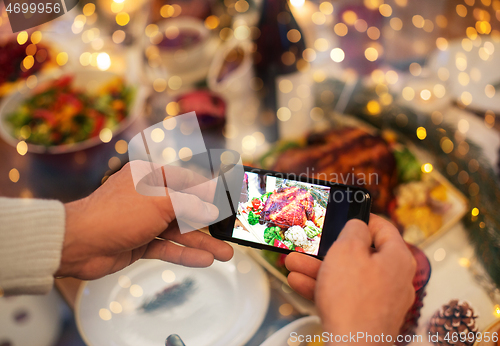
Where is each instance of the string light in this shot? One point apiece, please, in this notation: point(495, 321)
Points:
point(373, 33)
point(318, 18)
point(169, 154)
point(373, 107)
point(421, 133)
point(337, 55)
point(14, 175)
point(36, 37)
point(297, 3)
point(496, 311)
point(22, 37)
point(175, 82)
point(122, 18)
point(427, 168)
point(326, 7)
point(461, 10)
point(385, 10)
point(371, 54)
point(105, 135)
point(103, 61)
point(442, 43)
point(408, 93)
point(396, 23)
point(284, 114)
point(415, 69)
point(88, 9)
point(185, 154)
point(105, 314)
point(115, 307)
point(121, 146)
point(349, 17)
point(361, 25)
point(489, 90)
point(62, 58)
point(425, 94)
point(22, 148)
point(418, 21)
point(340, 29)
point(136, 291)
point(464, 262)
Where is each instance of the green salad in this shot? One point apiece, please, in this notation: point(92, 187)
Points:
point(62, 114)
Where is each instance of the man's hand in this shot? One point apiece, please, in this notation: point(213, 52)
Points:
point(115, 226)
point(357, 288)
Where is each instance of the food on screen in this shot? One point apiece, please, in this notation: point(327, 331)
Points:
point(283, 213)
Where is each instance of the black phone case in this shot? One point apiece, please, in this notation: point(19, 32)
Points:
point(227, 224)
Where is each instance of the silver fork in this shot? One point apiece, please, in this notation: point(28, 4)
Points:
point(174, 340)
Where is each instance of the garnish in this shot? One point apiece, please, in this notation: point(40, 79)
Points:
point(170, 297)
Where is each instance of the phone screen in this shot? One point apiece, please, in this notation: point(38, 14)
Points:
point(290, 214)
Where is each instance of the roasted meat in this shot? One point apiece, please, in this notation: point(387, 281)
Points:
point(349, 156)
point(289, 206)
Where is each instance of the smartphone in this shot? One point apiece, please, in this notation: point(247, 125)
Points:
point(287, 212)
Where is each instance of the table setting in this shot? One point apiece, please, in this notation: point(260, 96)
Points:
point(404, 92)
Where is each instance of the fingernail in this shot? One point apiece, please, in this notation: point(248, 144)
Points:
point(213, 211)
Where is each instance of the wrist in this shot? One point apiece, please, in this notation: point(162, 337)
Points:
point(72, 244)
point(367, 333)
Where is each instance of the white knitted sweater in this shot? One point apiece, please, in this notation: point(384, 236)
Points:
point(31, 239)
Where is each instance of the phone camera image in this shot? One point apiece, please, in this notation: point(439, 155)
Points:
point(283, 213)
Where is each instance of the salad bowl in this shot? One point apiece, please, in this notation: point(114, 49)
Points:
point(87, 81)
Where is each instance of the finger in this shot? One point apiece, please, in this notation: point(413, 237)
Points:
point(145, 172)
point(198, 240)
point(356, 231)
point(151, 179)
point(169, 252)
point(385, 235)
point(303, 264)
point(188, 181)
point(192, 208)
point(302, 284)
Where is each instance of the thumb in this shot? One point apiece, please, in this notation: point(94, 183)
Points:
point(356, 231)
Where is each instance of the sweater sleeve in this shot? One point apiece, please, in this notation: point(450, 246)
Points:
point(31, 239)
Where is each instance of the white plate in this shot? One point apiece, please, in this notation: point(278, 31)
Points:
point(310, 325)
point(475, 67)
point(228, 305)
point(31, 320)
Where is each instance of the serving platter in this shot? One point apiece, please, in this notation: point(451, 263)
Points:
point(450, 208)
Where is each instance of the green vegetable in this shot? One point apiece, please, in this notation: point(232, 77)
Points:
point(252, 218)
point(265, 196)
point(290, 245)
point(408, 166)
point(267, 160)
point(312, 231)
point(271, 233)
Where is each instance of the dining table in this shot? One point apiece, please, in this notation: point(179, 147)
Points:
point(456, 272)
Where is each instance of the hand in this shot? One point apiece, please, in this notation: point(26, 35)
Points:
point(115, 226)
point(357, 288)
